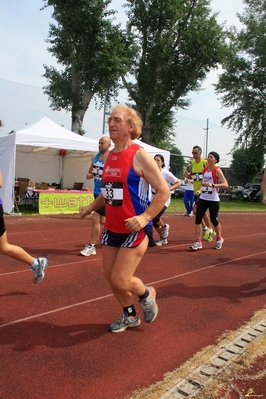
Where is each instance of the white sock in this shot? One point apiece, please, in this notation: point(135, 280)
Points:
point(34, 263)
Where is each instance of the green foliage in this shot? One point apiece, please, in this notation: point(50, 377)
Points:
point(91, 51)
point(247, 163)
point(177, 162)
point(243, 83)
point(179, 42)
point(237, 205)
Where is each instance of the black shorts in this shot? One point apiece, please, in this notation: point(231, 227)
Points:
point(123, 240)
point(2, 223)
point(100, 211)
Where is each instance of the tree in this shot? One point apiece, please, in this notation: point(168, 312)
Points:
point(243, 82)
point(92, 51)
point(177, 162)
point(247, 163)
point(179, 42)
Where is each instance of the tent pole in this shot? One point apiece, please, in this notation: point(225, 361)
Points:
point(15, 204)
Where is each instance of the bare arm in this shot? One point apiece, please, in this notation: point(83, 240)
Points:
point(98, 203)
point(263, 188)
point(89, 175)
point(222, 180)
point(145, 165)
point(175, 185)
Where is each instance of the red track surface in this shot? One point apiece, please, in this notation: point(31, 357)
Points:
point(54, 335)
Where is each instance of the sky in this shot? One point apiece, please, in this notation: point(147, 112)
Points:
point(23, 31)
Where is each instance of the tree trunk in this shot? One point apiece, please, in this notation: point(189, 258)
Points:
point(77, 121)
point(77, 116)
point(146, 133)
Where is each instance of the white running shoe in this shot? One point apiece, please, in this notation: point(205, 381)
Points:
point(162, 241)
point(88, 250)
point(165, 231)
point(219, 243)
point(197, 245)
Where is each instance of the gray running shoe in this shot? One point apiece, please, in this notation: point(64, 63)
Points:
point(88, 250)
point(149, 305)
point(165, 231)
point(219, 243)
point(197, 245)
point(124, 322)
point(162, 241)
point(38, 271)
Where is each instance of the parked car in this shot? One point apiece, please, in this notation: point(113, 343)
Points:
point(179, 192)
point(252, 192)
point(237, 191)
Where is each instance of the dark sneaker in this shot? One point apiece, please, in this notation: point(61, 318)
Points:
point(38, 271)
point(149, 306)
point(124, 322)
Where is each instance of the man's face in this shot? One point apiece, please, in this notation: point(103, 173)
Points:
point(103, 146)
point(196, 153)
point(119, 128)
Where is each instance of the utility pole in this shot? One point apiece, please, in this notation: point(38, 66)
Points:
point(106, 111)
point(207, 137)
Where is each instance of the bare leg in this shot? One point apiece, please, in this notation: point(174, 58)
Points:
point(96, 218)
point(13, 251)
point(207, 220)
point(119, 266)
point(218, 230)
point(198, 231)
point(160, 227)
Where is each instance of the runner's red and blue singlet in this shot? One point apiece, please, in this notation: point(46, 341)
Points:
point(126, 193)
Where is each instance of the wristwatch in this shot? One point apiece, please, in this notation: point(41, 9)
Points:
point(213, 185)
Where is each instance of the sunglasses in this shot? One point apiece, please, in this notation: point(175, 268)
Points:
point(195, 153)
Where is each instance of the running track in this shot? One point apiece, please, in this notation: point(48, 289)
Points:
point(54, 335)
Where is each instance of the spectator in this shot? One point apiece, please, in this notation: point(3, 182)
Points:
point(189, 196)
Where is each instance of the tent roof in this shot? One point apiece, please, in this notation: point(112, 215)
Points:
point(46, 133)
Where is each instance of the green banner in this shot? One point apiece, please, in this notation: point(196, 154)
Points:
point(54, 203)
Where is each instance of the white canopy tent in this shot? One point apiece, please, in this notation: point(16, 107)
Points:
point(154, 151)
point(34, 153)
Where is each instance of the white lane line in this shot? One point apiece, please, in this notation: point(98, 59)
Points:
point(53, 266)
point(207, 267)
point(55, 311)
point(109, 295)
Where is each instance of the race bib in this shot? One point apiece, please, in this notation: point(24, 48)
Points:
point(113, 193)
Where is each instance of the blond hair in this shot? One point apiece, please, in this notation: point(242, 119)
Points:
point(131, 117)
